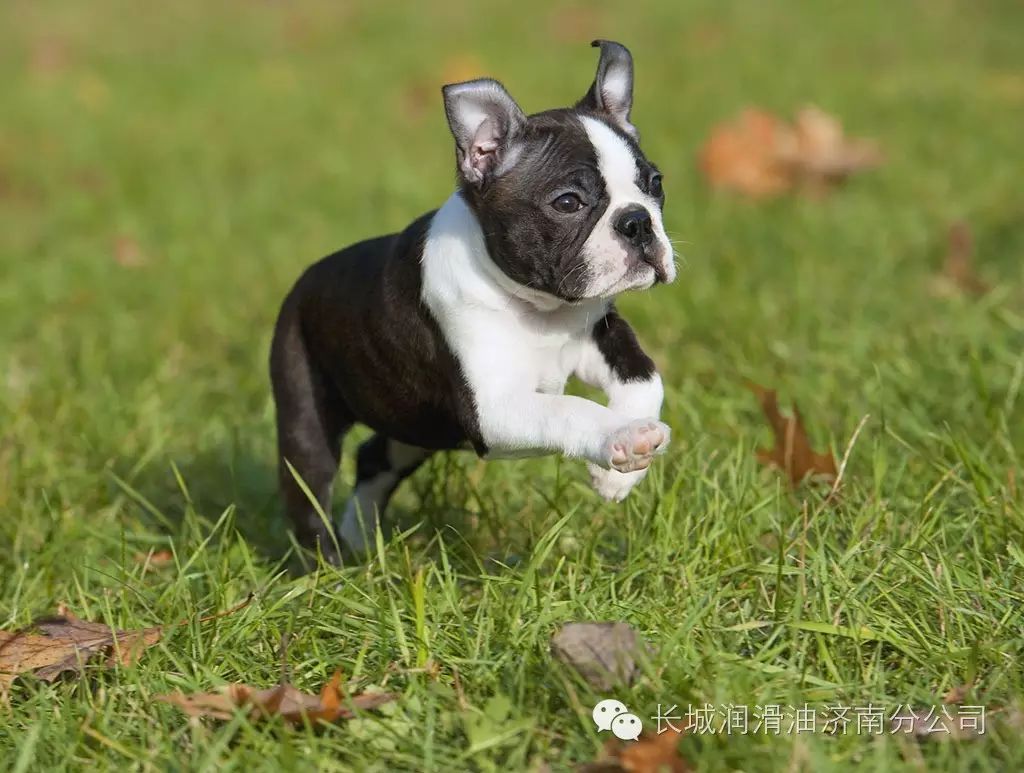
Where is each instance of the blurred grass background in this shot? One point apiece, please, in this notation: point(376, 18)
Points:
point(166, 174)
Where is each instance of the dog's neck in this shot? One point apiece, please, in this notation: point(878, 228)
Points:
point(458, 269)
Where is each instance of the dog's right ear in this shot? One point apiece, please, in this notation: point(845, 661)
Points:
point(485, 122)
point(611, 93)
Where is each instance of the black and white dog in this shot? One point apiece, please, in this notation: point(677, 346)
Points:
point(462, 330)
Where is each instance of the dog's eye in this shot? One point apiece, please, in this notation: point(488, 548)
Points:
point(567, 203)
point(655, 186)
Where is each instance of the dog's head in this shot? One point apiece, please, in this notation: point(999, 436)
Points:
point(569, 205)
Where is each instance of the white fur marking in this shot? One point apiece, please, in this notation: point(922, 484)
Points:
point(606, 254)
point(615, 88)
point(361, 518)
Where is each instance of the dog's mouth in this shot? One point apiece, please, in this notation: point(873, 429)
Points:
point(656, 260)
point(651, 256)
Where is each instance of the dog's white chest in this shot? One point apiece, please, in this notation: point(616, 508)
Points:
point(554, 365)
point(504, 336)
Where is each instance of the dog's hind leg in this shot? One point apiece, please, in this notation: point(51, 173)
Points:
point(381, 464)
point(311, 420)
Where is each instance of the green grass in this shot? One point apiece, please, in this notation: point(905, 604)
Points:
point(234, 143)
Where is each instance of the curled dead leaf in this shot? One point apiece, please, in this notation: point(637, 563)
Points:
point(745, 155)
point(819, 154)
point(63, 643)
point(759, 154)
point(792, 452)
point(285, 701)
point(651, 753)
point(54, 645)
point(958, 694)
point(154, 559)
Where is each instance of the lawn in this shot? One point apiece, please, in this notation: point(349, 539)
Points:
point(166, 174)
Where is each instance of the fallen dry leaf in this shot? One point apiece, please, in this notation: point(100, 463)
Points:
point(604, 654)
point(122, 647)
point(20, 653)
point(957, 695)
point(54, 645)
point(759, 154)
point(746, 155)
point(651, 753)
point(958, 274)
point(819, 154)
point(792, 452)
point(283, 701)
point(156, 558)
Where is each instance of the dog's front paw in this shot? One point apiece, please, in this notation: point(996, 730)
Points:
point(634, 446)
point(612, 484)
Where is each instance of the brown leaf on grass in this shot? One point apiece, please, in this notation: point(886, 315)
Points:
point(957, 695)
point(792, 452)
point(958, 274)
point(759, 154)
point(651, 753)
point(155, 559)
point(820, 154)
point(120, 647)
point(745, 155)
point(22, 652)
point(285, 701)
point(604, 654)
point(53, 645)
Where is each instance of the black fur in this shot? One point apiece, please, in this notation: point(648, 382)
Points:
point(352, 342)
point(617, 342)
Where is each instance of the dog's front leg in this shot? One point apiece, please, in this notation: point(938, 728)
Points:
point(519, 423)
point(613, 361)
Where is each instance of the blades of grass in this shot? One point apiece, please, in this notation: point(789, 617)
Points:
point(324, 518)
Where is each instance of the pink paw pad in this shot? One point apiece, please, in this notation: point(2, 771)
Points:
point(633, 447)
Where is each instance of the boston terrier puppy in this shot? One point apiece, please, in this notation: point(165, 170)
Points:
point(462, 330)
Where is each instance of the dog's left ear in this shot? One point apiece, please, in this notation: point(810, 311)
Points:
point(612, 90)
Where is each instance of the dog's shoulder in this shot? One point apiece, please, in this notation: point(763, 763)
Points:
point(390, 258)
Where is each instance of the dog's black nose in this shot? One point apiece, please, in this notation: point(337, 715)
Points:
point(635, 224)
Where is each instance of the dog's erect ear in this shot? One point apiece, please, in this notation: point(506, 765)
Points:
point(612, 90)
point(485, 122)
